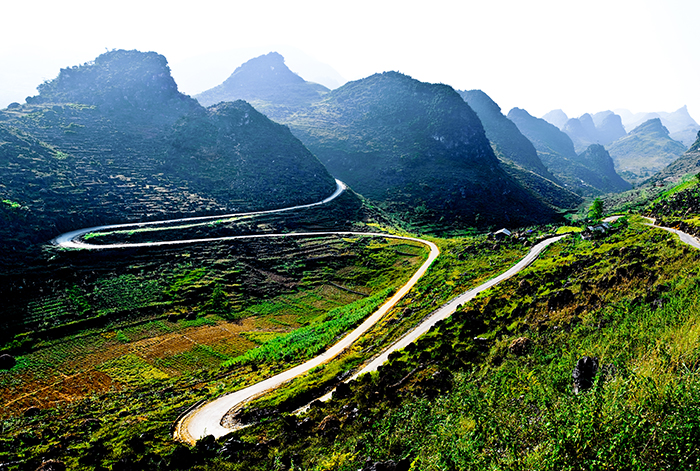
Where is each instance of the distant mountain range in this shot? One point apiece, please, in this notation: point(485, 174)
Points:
point(681, 126)
point(585, 131)
point(601, 128)
point(590, 173)
point(114, 140)
point(646, 150)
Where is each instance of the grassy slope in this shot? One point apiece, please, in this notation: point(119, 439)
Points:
point(466, 397)
point(105, 424)
point(470, 394)
point(175, 359)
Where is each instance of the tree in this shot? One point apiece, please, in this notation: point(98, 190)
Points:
point(595, 212)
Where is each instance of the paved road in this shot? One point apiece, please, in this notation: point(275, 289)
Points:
point(206, 419)
point(72, 239)
point(685, 238)
point(448, 309)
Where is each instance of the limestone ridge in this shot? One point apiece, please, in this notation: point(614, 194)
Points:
point(216, 142)
point(507, 140)
point(416, 148)
point(598, 159)
point(268, 84)
point(517, 152)
point(646, 150)
point(582, 174)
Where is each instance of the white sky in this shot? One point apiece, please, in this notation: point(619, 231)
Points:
point(580, 56)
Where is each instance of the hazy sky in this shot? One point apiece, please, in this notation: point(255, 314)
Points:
point(580, 56)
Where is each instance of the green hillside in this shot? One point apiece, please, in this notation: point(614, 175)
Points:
point(114, 141)
point(492, 387)
point(688, 163)
point(646, 150)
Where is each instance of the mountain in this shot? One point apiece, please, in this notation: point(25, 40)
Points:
point(557, 118)
point(688, 163)
point(610, 129)
point(681, 126)
point(581, 131)
point(587, 129)
point(507, 140)
point(267, 84)
point(419, 150)
point(581, 174)
point(114, 141)
point(206, 70)
point(596, 158)
point(517, 152)
point(646, 150)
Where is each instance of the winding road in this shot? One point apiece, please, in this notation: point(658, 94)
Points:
point(206, 419)
point(72, 239)
point(685, 237)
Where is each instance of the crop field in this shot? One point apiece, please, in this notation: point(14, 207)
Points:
point(218, 309)
point(207, 316)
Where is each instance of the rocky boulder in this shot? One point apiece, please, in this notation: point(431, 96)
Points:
point(584, 373)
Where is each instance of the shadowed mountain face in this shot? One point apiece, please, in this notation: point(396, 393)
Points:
point(268, 84)
point(507, 140)
point(416, 148)
point(517, 152)
point(582, 174)
point(645, 151)
point(114, 141)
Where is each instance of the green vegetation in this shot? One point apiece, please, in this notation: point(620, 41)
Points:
point(595, 212)
point(131, 370)
point(12, 204)
point(568, 229)
point(306, 342)
point(505, 400)
point(114, 141)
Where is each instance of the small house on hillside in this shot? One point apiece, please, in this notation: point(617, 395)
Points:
point(501, 234)
point(595, 231)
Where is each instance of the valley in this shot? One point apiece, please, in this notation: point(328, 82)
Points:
point(231, 304)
